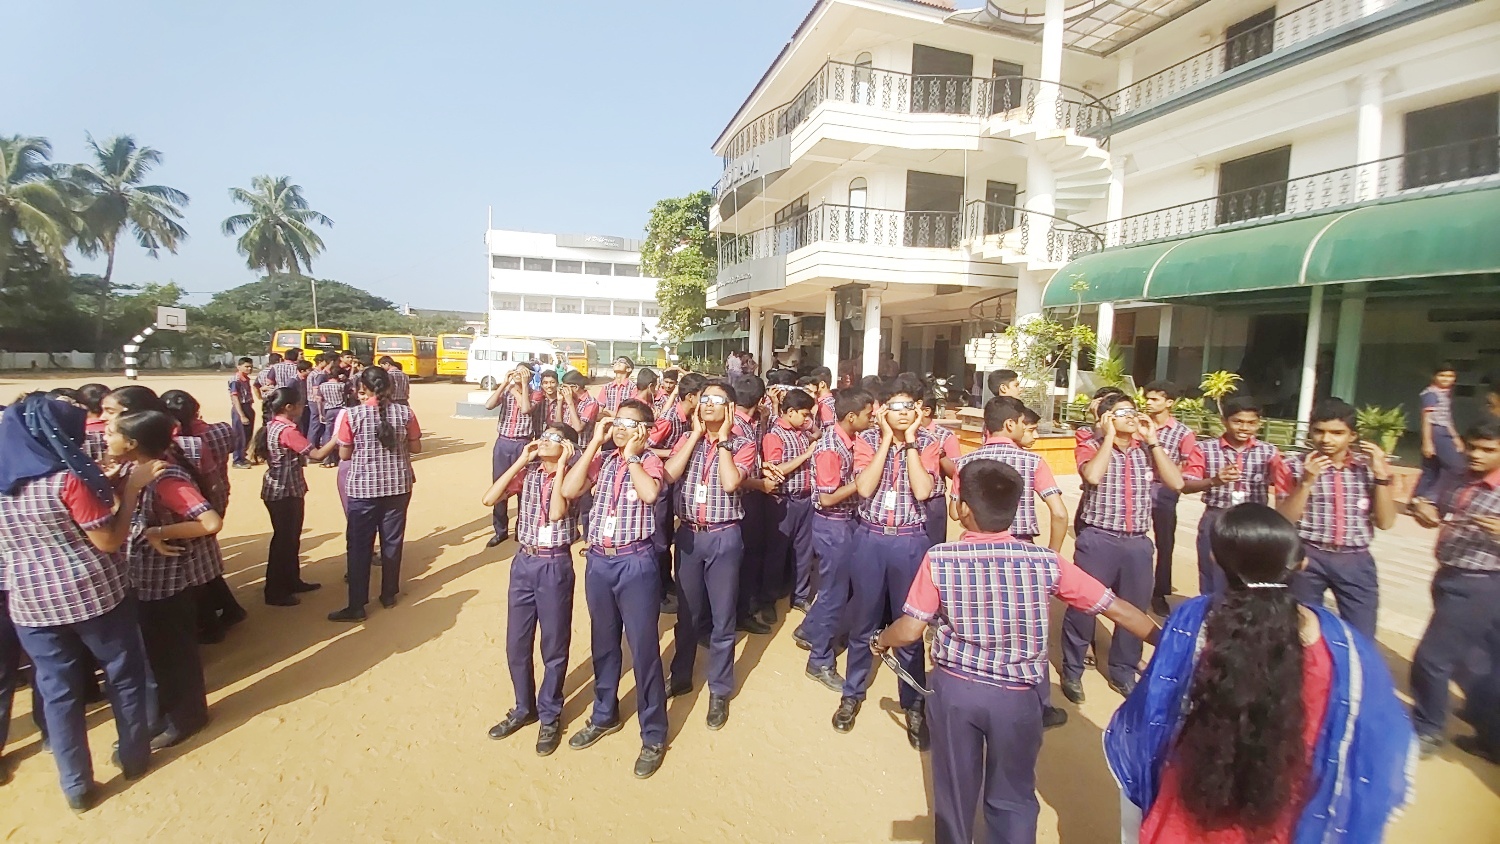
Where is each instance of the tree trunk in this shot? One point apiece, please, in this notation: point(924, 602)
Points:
point(100, 353)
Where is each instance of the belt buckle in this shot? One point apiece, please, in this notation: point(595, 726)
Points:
point(609, 550)
point(888, 530)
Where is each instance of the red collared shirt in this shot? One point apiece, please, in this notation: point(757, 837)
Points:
point(1262, 469)
point(833, 467)
point(783, 443)
point(700, 495)
point(893, 504)
point(1121, 501)
point(533, 491)
point(286, 453)
point(1035, 474)
point(669, 428)
point(1461, 543)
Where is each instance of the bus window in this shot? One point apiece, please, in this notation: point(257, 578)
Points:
point(427, 348)
point(325, 340)
point(393, 345)
point(363, 347)
point(287, 339)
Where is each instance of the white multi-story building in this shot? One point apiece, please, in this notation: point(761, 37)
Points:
point(572, 287)
point(1304, 192)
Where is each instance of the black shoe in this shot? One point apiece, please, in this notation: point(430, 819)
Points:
point(548, 738)
point(1073, 690)
point(751, 624)
point(676, 689)
point(1428, 746)
point(234, 615)
point(283, 601)
point(843, 719)
point(1472, 745)
point(1160, 606)
point(591, 734)
point(916, 726)
point(510, 725)
point(803, 607)
point(304, 586)
point(211, 636)
point(495, 540)
point(1053, 717)
point(349, 615)
point(718, 711)
point(388, 602)
point(669, 605)
point(242, 464)
point(170, 737)
point(649, 762)
point(1124, 687)
point(85, 800)
point(828, 676)
point(801, 640)
point(767, 614)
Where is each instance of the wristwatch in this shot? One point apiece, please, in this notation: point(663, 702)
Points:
point(635, 458)
point(724, 445)
point(1382, 481)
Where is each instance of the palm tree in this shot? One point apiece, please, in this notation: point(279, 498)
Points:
point(277, 234)
point(112, 200)
point(31, 205)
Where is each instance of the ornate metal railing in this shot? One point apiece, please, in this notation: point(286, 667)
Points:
point(1041, 236)
point(1022, 98)
point(877, 227)
point(1417, 171)
point(1300, 24)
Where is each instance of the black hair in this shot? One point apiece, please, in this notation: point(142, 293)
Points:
point(152, 431)
point(68, 393)
point(1029, 416)
point(674, 374)
point(92, 396)
point(647, 415)
point(900, 387)
point(134, 397)
point(549, 373)
point(1241, 749)
point(1104, 391)
point(1445, 366)
point(326, 357)
point(568, 432)
point(992, 491)
point(274, 357)
point(808, 381)
point(1166, 388)
point(747, 390)
point(852, 400)
point(797, 400)
point(1001, 409)
point(378, 381)
point(872, 384)
point(823, 374)
point(628, 362)
point(1240, 404)
point(691, 384)
point(304, 366)
point(250, 361)
point(293, 353)
point(999, 378)
point(574, 378)
point(182, 405)
point(930, 401)
point(1333, 410)
point(1108, 403)
point(645, 378)
point(1485, 429)
point(782, 377)
point(385, 360)
point(277, 401)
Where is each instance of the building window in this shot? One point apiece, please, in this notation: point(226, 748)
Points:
point(1452, 142)
point(941, 80)
point(539, 304)
point(628, 270)
point(1253, 186)
point(1005, 91)
point(864, 79)
point(1250, 39)
point(933, 203)
point(999, 207)
point(505, 262)
point(568, 306)
point(627, 309)
point(569, 266)
point(504, 302)
point(538, 265)
point(595, 268)
point(650, 309)
point(596, 307)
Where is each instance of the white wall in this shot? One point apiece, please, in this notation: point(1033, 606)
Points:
point(567, 296)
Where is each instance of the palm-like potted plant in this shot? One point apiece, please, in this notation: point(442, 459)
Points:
point(1383, 427)
point(1217, 385)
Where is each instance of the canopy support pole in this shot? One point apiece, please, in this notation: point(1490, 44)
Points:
point(1310, 356)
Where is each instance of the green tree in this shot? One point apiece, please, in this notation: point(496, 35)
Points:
point(32, 208)
point(276, 235)
point(682, 253)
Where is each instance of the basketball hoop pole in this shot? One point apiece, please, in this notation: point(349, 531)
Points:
point(132, 348)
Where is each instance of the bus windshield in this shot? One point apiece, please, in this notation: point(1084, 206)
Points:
point(457, 344)
point(393, 344)
point(288, 339)
point(569, 347)
point(324, 340)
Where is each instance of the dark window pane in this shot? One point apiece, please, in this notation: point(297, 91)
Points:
point(543, 265)
point(1253, 186)
point(1452, 142)
point(505, 262)
point(594, 268)
point(628, 270)
point(569, 266)
point(1250, 39)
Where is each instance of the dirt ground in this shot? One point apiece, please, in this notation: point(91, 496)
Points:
point(326, 732)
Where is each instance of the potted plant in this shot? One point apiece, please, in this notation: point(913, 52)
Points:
point(1217, 385)
point(1383, 427)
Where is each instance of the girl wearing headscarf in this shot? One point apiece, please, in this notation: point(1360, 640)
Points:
point(60, 534)
point(1259, 719)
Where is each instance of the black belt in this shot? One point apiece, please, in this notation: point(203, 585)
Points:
point(716, 526)
point(618, 550)
point(554, 551)
point(1116, 533)
point(895, 530)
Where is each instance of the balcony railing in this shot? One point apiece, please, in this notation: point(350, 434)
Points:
point(1413, 172)
point(876, 227)
point(1022, 98)
point(1032, 233)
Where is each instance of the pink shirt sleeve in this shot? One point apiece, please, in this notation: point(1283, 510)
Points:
point(827, 469)
point(594, 466)
point(293, 441)
point(932, 457)
point(1188, 446)
point(1043, 482)
point(772, 448)
point(744, 457)
point(88, 511)
point(1078, 589)
point(1084, 452)
point(922, 602)
point(343, 433)
point(1281, 478)
point(1196, 466)
point(951, 448)
point(863, 454)
point(181, 497)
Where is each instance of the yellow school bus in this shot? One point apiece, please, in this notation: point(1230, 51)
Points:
point(579, 353)
point(315, 340)
point(453, 355)
point(417, 355)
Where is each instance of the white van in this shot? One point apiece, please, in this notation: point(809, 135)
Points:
point(493, 358)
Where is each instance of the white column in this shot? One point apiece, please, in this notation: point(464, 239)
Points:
point(1114, 202)
point(1041, 197)
point(831, 334)
point(1029, 287)
point(897, 324)
point(1371, 123)
point(1124, 78)
point(752, 343)
point(767, 353)
point(929, 362)
point(1104, 332)
point(872, 334)
point(1052, 52)
point(1310, 356)
point(1346, 346)
point(1164, 342)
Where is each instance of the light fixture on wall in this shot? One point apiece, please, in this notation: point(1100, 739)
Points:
point(1199, 171)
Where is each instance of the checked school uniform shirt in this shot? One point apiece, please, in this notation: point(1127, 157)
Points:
point(284, 374)
point(668, 429)
point(700, 496)
point(170, 499)
point(1035, 474)
point(949, 448)
point(239, 390)
point(218, 445)
point(331, 395)
point(54, 574)
point(783, 443)
point(533, 489)
point(833, 467)
point(987, 595)
point(514, 423)
point(400, 385)
point(1121, 502)
point(1178, 439)
point(616, 502)
point(286, 454)
point(1337, 515)
point(825, 411)
point(893, 504)
point(1262, 468)
point(1461, 543)
point(374, 470)
point(613, 394)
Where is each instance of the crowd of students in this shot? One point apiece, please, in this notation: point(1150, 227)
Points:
point(1261, 716)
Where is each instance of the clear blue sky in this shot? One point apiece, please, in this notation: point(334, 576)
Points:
point(402, 121)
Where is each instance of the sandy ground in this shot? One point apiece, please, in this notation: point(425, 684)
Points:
point(328, 732)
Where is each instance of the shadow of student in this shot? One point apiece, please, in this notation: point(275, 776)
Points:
point(437, 446)
point(922, 827)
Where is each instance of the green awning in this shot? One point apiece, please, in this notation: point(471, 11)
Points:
point(1433, 236)
point(1114, 276)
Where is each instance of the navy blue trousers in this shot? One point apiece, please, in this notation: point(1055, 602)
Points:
point(790, 551)
point(985, 743)
point(169, 629)
point(1164, 523)
point(624, 596)
point(1211, 578)
point(242, 431)
point(10, 668)
point(833, 540)
point(506, 450)
point(708, 580)
point(540, 596)
point(1465, 607)
point(1122, 563)
point(937, 518)
point(1444, 471)
point(755, 527)
point(1351, 576)
point(385, 516)
point(880, 576)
